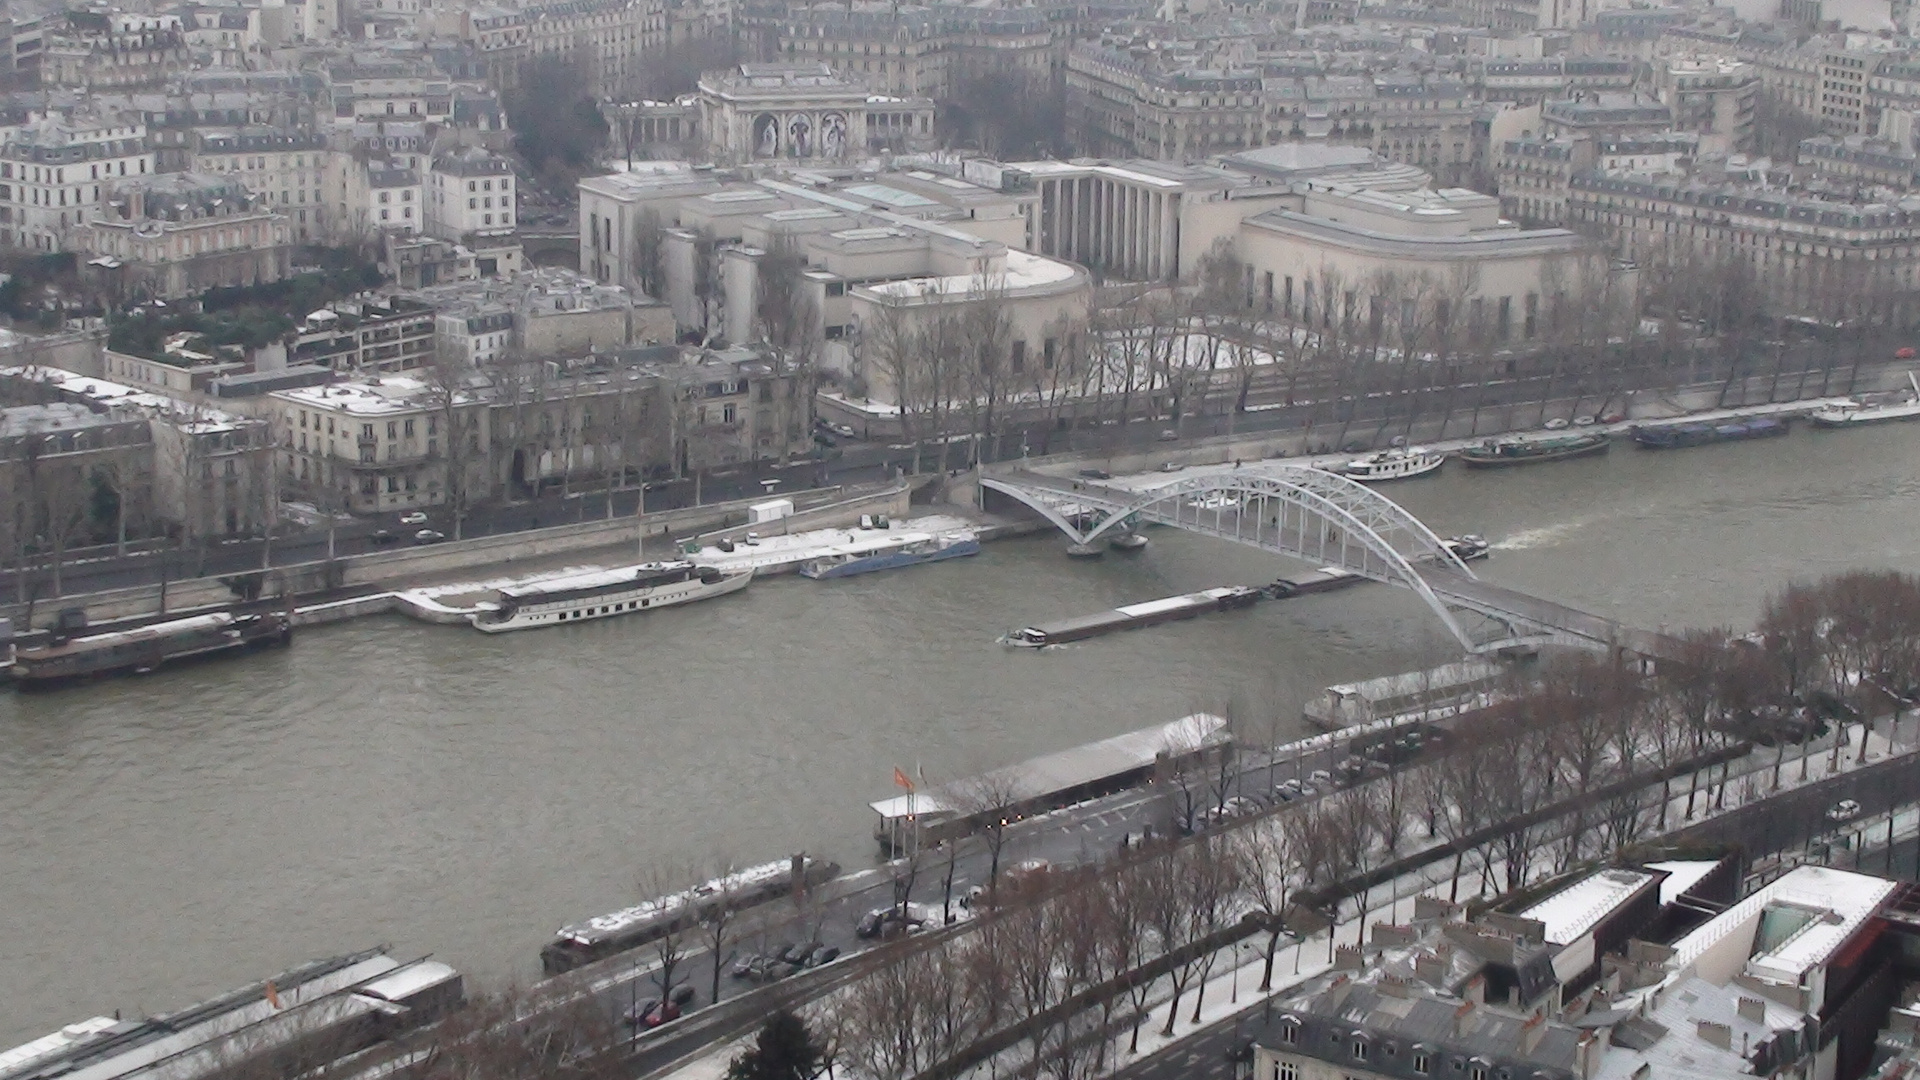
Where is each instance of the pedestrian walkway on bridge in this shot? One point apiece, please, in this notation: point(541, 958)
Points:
point(1327, 520)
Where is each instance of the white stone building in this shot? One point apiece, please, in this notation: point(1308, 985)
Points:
point(54, 175)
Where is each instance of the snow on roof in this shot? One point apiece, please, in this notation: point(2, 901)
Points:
point(1839, 900)
point(1575, 910)
point(11, 1060)
point(363, 397)
point(589, 579)
point(198, 419)
point(1021, 271)
point(408, 981)
point(602, 925)
point(1681, 876)
point(1065, 769)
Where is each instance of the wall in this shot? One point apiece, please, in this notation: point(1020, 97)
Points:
point(825, 508)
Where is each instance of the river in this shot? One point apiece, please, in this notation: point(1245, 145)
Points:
point(168, 837)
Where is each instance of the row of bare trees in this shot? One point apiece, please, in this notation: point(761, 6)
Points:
point(1575, 764)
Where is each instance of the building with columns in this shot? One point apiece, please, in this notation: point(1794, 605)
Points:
point(805, 113)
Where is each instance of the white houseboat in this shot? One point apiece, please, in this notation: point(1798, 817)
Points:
point(1395, 464)
point(603, 593)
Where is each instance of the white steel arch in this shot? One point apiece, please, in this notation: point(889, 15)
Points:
point(1294, 510)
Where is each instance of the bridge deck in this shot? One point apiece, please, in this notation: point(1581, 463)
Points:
point(1527, 618)
point(1485, 596)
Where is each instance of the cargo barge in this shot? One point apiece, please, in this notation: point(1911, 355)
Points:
point(1134, 616)
point(144, 649)
point(1679, 436)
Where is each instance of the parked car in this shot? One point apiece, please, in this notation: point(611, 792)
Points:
point(825, 954)
point(1844, 810)
point(1095, 474)
point(797, 954)
point(1171, 466)
point(682, 994)
point(429, 536)
point(651, 1014)
point(384, 536)
point(1169, 435)
point(743, 967)
point(1558, 423)
point(845, 431)
point(416, 517)
point(1320, 777)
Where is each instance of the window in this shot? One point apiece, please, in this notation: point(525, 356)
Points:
point(1018, 361)
point(1422, 1061)
point(393, 429)
point(1286, 1070)
point(726, 414)
point(1360, 1049)
point(409, 429)
point(1289, 1033)
point(1047, 349)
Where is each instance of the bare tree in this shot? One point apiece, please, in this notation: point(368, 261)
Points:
point(991, 801)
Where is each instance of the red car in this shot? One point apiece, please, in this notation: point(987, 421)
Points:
point(653, 1014)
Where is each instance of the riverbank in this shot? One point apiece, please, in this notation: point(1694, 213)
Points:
point(466, 794)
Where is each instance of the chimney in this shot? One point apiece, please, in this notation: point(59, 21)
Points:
point(1753, 1009)
point(1431, 968)
point(1476, 990)
point(1719, 1035)
point(1390, 935)
point(1347, 958)
point(1462, 1019)
point(1531, 1031)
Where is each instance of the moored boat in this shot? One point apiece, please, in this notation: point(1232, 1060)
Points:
point(603, 593)
point(1677, 436)
point(1396, 464)
point(1499, 453)
point(146, 648)
point(914, 553)
point(1869, 410)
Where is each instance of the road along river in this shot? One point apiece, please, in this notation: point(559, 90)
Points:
point(167, 837)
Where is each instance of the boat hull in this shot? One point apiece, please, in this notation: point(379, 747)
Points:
point(890, 560)
point(610, 606)
point(1846, 418)
point(30, 672)
point(1682, 436)
point(1481, 459)
point(1369, 476)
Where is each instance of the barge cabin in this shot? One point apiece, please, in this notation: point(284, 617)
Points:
point(1050, 782)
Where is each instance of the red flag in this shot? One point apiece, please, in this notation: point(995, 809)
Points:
point(273, 996)
point(900, 779)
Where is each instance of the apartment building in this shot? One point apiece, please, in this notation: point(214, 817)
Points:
point(176, 235)
point(1821, 255)
point(54, 175)
point(377, 335)
point(471, 192)
point(284, 170)
point(392, 442)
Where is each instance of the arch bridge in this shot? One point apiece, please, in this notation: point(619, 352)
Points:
point(1327, 520)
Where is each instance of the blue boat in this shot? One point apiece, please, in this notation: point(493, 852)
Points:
point(934, 549)
point(1676, 436)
